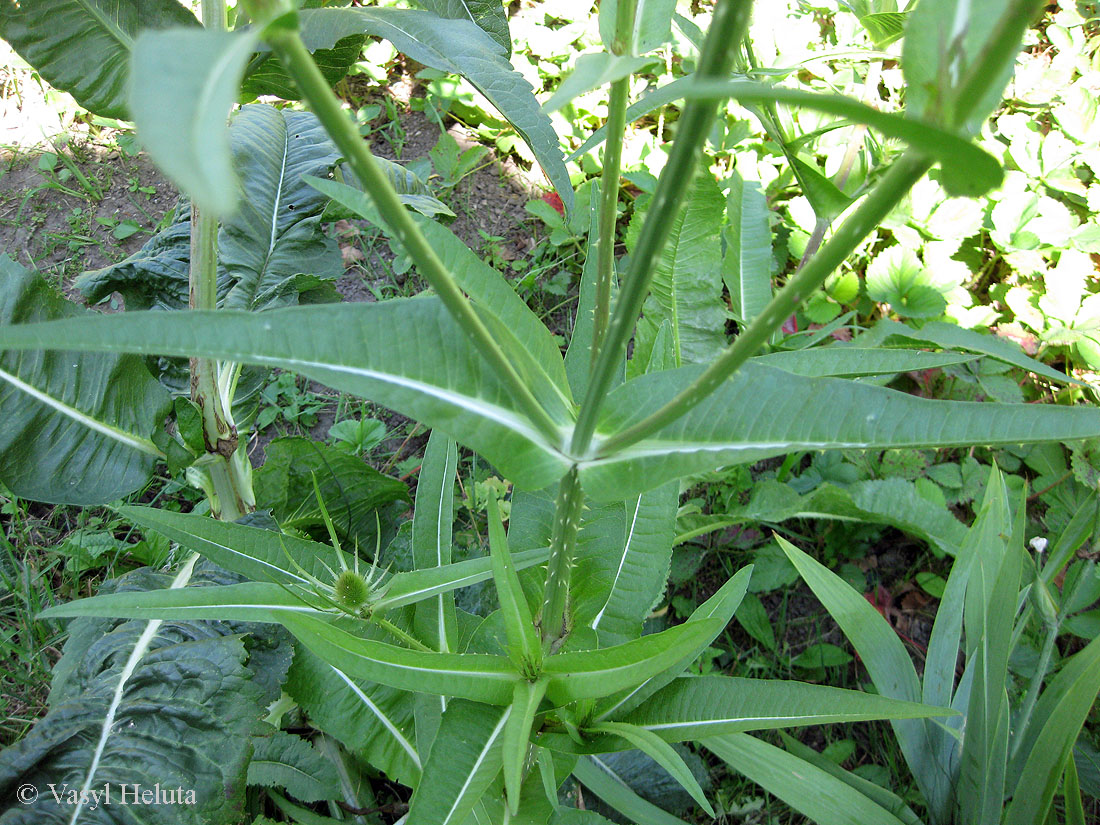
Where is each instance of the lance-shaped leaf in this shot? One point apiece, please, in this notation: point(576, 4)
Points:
point(882, 653)
point(831, 802)
point(952, 337)
point(245, 602)
point(687, 286)
point(1049, 737)
point(480, 677)
point(747, 260)
point(602, 780)
point(184, 83)
point(523, 642)
point(464, 760)
point(660, 752)
point(720, 607)
point(435, 620)
point(178, 693)
point(459, 47)
point(406, 354)
point(632, 576)
point(694, 707)
point(372, 720)
point(590, 674)
point(853, 362)
point(538, 356)
point(516, 737)
point(261, 555)
point(83, 46)
point(74, 427)
point(487, 15)
point(789, 413)
point(591, 72)
point(283, 760)
point(267, 76)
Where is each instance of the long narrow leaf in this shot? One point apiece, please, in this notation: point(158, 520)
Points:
point(809, 790)
point(435, 376)
point(516, 737)
point(435, 621)
point(523, 642)
point(479, 677)
point(612, 789)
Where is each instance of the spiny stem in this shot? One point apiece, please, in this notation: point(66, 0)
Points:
point(909, 169)
point(287, 44)
point(407, 638)
point(563, 542)
point(731, 17)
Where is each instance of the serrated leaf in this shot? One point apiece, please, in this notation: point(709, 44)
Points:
point(488, 15)
point(747, 256)
point(284, 760)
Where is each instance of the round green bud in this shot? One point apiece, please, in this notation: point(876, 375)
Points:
point(351, 589)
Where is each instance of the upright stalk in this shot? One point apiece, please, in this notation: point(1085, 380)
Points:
point(227, 467)
point(567, 519)
point(612, 163)
point(287, 45)
point(731, 18)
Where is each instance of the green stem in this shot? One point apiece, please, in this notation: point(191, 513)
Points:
point(892, 188)
point(408, 639)
point(609, 208)
point(563, 542)
point(731, 17)
point(288, 46)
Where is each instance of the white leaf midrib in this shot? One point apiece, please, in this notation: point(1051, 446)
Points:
point(141, 647)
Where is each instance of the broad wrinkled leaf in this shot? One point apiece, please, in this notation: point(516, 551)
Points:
point(747, 260)
point(370, 719)
point(480, 677)
point(832, 802)
point(184, 84)
point(180, 694)
point(464, 760)
point(270, 77)
point(488, 15)
point(83, 46)
point(687, 287)
point(75, 428)
point(406, 354)
point(785, 415)
point(459, 47)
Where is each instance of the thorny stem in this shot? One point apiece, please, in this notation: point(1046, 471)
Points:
point(563, 542)
point(287, 44)
point(731, 18)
